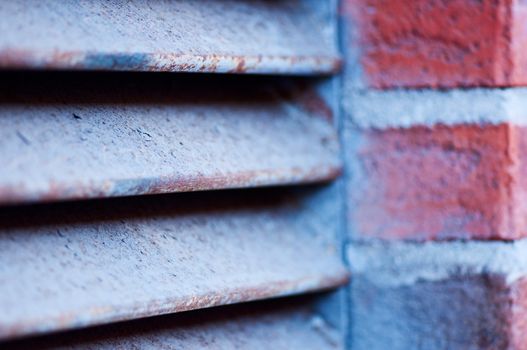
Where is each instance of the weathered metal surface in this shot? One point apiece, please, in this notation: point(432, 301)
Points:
point(257, 36)
point(87, 135)
point(286, 324)
point(70, 265)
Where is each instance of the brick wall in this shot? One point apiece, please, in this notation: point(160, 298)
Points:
point(436, 151)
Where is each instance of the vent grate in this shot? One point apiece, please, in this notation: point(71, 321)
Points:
point(140, 201)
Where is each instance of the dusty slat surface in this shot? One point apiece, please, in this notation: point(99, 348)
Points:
point(69, 265)
point(88, 135)
point(286, 324)
point(255, 36)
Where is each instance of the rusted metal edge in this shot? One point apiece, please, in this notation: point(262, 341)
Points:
point(76, 190)
point(72, 265)
point(281, 324)
point(166, 62)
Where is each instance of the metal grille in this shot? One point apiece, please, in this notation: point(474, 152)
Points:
point(98, 110)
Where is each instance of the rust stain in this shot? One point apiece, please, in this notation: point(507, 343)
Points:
point(168, 62)
point(247, 179)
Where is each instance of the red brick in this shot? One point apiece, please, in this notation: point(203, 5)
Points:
point(480, 311)
point(518, 334)
point(441, 43)
point(440, 295)
point(441, 182)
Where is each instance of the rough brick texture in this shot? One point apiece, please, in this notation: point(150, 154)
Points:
point(440, 43)
point(461, 312)
point(439, 182)
point(439, 296)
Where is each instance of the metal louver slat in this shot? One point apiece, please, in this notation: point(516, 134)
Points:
point(70, 265)
point(89, 135)
point(258, 36)
point(279, 325)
